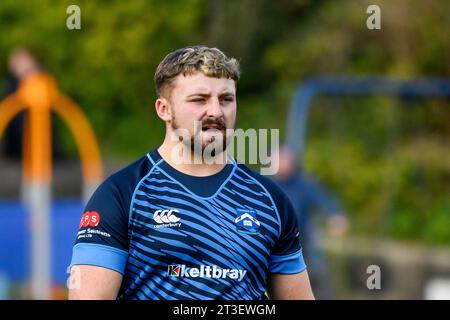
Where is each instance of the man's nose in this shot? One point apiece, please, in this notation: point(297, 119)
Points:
point(214, 109)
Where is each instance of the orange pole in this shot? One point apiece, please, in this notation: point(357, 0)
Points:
point(84, 138)
point(37, 91)
point(39, 94)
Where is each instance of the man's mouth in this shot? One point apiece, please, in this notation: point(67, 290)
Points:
point(212, 127)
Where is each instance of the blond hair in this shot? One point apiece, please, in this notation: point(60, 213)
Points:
point(210, 61)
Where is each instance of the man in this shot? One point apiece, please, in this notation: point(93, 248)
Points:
point(307, 196)
point(168, 229)
point(22, 65)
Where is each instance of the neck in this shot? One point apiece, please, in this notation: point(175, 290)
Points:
point(195, 166)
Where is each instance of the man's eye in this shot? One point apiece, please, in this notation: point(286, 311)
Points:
point(199, 100)
point(228, 99)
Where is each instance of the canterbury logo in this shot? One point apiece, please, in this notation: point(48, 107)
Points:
point(165, 216)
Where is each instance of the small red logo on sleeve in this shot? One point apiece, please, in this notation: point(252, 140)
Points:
point(90, 218)
point(95, 219)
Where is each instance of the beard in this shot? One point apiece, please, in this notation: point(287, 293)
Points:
point(214, 145)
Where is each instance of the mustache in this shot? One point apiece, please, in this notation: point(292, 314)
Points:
point(218, 122)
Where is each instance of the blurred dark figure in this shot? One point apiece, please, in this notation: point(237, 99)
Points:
point(21, 64)
point(308, 197)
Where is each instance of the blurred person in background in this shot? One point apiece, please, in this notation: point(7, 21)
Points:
point(22, 64)
point(308, 198)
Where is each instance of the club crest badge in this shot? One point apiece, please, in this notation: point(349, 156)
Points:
point(246, 221)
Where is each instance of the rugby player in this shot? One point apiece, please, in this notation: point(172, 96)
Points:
point(162, 228)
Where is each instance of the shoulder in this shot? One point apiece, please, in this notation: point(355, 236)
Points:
point(120, 186)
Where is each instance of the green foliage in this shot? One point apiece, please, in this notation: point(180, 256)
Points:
point(387, 160)
point(108, 65)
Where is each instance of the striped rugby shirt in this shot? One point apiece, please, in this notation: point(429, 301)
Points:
point(176, 236)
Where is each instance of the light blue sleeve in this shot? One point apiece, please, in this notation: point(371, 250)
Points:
point(287, 264)
point(99, 255)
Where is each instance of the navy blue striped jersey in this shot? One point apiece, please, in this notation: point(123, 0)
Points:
point(176, 236)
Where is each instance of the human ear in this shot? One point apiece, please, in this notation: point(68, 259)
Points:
point(163, 109)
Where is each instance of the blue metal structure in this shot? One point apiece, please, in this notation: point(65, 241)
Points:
point(353, 86)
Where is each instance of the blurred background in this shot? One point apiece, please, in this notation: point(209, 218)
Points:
point(381, 162)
